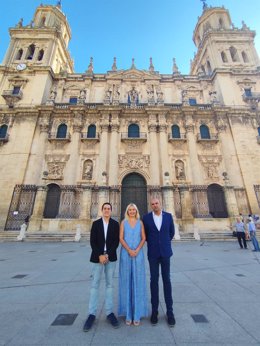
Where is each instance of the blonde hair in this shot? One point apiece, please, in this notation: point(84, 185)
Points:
point(137, 216)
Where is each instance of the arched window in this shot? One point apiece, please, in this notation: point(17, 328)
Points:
point(62, 131)
point(204, 132)
point(258, 129)
point(209, 67)
point(40, 55)
point(30, 52)
point(91, 131)
point(245, 57)
point(233, 53)
point(3, 131)
point(221, 25)
point(203, 69)
point(176, 131)
point(224, 57)
point(133, 131)
point(52, 202)
point(19, 54)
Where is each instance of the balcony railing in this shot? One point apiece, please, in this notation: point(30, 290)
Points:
point(181, 138)
point(212, 138)
point(141, 137)
point(251, 97)
point(84, 137)
point(11, 93)
point(52, 136)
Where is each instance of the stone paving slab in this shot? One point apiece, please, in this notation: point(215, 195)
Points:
point(214, 282)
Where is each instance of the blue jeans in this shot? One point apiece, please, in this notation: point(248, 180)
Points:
point(254, 240)
point(154, 283)
point(98, 268)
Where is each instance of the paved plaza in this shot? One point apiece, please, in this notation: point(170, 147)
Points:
point(44, 296)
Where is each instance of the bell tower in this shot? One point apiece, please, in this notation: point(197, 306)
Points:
point(41, 43)
point(220, 45)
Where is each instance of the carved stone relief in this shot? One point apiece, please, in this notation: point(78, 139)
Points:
point(211, 166)
point(56, 165)
point(134, 161)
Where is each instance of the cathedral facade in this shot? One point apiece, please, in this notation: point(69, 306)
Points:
point(71, 141)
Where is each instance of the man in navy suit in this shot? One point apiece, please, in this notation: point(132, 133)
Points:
point(159, 229)
point(104, 240)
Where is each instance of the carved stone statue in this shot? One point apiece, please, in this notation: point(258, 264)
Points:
point(150, 94)
point(116, 95)
point(87, 170)
point(20, 23)
point(108, 94)
point(133, 96)
point(179, 170)
point(82, 96)
point(159, 95)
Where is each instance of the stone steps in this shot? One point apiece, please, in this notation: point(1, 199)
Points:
point(9, 236)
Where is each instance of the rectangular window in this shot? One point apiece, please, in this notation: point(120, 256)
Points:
point(192, 102)
point(73, 100)
point(248, 92)
point(16, 90)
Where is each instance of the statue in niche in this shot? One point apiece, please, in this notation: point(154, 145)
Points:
point(116, 94)
point(108, 94)
point(53, 94)
point(159, 95)
point(213, 97)
point(82, 96)
point(150, 94)
point(133, 96)
point(55, 170)
point(87, 170)
point(179, 170)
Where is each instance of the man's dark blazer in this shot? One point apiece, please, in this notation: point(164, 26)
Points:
point(97, 240)
point(159, 242)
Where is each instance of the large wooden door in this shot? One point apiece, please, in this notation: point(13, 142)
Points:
point(134, 190)
point(217, 202)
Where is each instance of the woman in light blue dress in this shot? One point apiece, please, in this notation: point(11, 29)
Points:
point(132, 280)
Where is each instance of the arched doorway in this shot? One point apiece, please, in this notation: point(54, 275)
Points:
point(134, 190)
point(52, 203)
point(216, 200)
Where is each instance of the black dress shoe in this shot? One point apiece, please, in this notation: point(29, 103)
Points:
point(171, 321)
point(89, 323)
point(113, 320)
point(154, 319)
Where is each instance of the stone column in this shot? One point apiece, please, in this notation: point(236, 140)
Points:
point(85, 202)
point(102, 167)
point(39, 205)
point(103, 196)
point(193, 154)
point(231, 201)
point(73, 164)
point(37, 158)
point(154, 154)
point(163, 145)
point(168, 205)
point(113, 158)
point(187, 217)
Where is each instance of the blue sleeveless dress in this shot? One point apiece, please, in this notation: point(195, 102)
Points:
point(132, 280)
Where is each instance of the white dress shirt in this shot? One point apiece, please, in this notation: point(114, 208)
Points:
point(157, 220)
point(105, 224)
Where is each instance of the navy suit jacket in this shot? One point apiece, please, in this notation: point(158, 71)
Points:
point(159, 242)
point(97, 240)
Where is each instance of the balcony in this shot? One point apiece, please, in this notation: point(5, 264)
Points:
point(182, 138)
point(52, 137)
point(251, 97)
point(142, 137)
point(85, 138)
point(212, 139)
point(12, 96)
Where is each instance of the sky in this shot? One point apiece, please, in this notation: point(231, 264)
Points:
point(137, 29)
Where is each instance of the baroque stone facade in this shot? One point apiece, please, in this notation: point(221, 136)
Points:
point(71, 141)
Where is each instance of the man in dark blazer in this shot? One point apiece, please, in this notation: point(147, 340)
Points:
point(104, 241)
point(159, 229)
